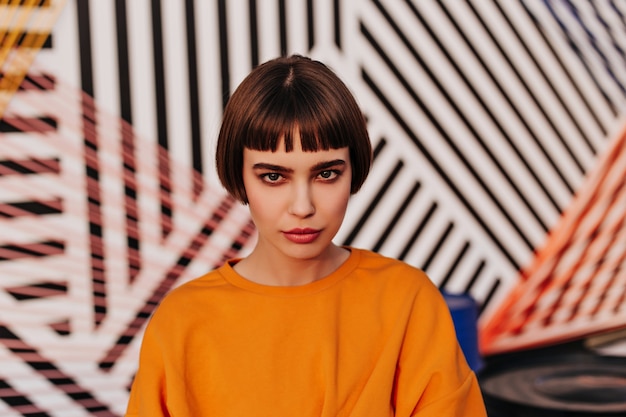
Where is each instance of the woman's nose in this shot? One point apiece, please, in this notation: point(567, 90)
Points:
point(302, 201)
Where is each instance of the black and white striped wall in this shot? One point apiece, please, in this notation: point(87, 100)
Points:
point(486, 117)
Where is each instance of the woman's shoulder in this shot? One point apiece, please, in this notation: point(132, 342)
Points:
point(190, 302)
point(390, 269)
point(393, 278)
point(375, 261)
point(199, 288)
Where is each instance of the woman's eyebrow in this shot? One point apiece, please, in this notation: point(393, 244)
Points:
point(317, 167)
point(271, 167)
point(328, 164)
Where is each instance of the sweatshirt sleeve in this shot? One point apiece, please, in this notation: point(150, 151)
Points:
point(147, 396)
point(433, 378)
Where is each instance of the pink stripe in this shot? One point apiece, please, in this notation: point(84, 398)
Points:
point(39, 166)
point(28, 250)
point(8, 210)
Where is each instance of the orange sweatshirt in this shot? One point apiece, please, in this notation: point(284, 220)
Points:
point(374, 338)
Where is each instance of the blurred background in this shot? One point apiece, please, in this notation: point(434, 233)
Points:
point(499, 130)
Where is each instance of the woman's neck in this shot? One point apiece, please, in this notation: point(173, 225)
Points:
point(276, 270)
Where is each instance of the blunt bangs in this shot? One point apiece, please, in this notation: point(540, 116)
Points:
point(291, 114)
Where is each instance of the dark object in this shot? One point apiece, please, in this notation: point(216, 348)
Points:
point(555, 384)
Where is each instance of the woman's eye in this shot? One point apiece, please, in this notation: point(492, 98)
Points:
point(329, 174)
point(271, 177)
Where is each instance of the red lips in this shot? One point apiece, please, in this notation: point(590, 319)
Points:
point(305, 235)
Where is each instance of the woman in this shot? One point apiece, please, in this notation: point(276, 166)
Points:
point(301, 327)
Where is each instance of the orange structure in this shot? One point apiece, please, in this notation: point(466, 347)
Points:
point(576, 283)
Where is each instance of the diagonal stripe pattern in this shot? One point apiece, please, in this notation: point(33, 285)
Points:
point(77, 190)
point(25, 26)
point(576, 284)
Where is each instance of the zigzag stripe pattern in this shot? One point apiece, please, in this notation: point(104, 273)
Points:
point(43, 200)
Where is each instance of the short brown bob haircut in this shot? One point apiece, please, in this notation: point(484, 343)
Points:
point(281, 98)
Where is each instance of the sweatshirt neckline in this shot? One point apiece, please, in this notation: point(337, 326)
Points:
point(339, 274)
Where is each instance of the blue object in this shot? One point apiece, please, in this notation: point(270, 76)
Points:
point(464, 312)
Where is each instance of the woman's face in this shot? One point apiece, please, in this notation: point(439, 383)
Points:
point(297, 199)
